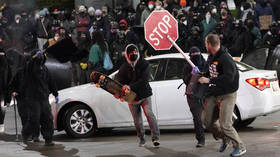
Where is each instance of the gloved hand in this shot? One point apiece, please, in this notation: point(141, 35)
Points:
point(84, 66)
point(38, 53)
point(56, 99)
point(195, 70)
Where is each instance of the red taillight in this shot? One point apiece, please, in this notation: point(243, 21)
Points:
point(259, 83)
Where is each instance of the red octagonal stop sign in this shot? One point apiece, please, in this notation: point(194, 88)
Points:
point(158, 26)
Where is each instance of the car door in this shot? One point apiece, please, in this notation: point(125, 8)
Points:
point(172, 107)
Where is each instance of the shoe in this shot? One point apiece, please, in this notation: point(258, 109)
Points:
point(49, 143)
point(156, 143)
point(223, 147)
point(200, 144)
point(142, 143)
point(2, 128)
point(215, 137)
point(36, 139)
point(238, 152)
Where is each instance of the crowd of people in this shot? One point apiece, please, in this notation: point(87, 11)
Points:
point(256, 24)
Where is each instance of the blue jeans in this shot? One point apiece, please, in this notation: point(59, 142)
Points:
point(135, 110)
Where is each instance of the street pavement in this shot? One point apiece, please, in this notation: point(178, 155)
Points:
point(262, 139)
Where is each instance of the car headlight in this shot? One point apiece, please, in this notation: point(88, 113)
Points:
point(51, 99)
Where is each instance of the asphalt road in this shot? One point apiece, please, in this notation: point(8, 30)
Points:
point(262, 139)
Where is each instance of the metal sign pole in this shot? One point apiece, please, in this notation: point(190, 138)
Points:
point(181, 51)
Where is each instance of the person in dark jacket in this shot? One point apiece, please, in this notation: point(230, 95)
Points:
point(195, 103)
point(5, 78)
point(134, 75)
point(223, 80)
point(43, 26)
point(36, 87)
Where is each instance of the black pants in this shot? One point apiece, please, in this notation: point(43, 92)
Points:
point(23, 113)
point(196, 107)
point(2, 112)
point(39, 117)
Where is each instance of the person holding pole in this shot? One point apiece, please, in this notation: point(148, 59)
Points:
point(223, 80)
point(195, 101)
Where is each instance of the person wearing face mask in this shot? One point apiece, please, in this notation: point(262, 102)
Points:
point(254, 31)
point(6, 75)
point(134, 75)
point(91, 12)
point(195, 102)
point(241, 40)
point(130, 36)
point(208, 24)
point(53, 40)
point(103, 24)
point(17, 33)
point(224, 27)
point(158, 5)
point(147, 11)
point(82, 20)
point(139, 10)
point(43, 27)
point(183, 31)
point(37, 85)
point(117, 48)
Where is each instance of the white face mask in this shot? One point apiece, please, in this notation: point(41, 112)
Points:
point(214, 11)
point(37, 16)
point(195, 4)
point(242, 8)
point(17, 21)
point(208, 16)
point(158, 7)
point(151, 6)
point(56, 38)
point(98, 18)
point(185, 22)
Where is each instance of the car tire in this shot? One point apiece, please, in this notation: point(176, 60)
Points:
point(245, 123)
point(80, 122)
point(238, 123)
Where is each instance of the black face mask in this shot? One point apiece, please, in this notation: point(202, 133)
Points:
point(133, 57)
point(250, 25)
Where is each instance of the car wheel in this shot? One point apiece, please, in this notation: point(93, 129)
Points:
point(238, 123)
point(238, 120)
point(245, 123)
point(80, 122)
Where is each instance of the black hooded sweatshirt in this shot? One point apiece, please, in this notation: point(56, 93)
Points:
point(223, 72)
point(137, 78)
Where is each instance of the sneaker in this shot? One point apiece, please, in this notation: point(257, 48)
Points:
point(223, 147)
point(142, 143)
point(156, 143)
point(238, 152)
point(200, 144)
point(215, 137)
point(36, 139)
point(2, 128)
point(49, 143)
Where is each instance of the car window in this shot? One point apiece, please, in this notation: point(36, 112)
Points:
point(156, 70)
point(174, 69)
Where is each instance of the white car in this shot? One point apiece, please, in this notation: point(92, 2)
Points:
point(84, 109)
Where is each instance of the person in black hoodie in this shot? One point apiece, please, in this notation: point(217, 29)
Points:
point(134, 75)
point(5, 78)
point(195, 102)
point(223, 80)
point(36, 85)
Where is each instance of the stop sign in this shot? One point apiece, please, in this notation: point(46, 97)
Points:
point(158, 26)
